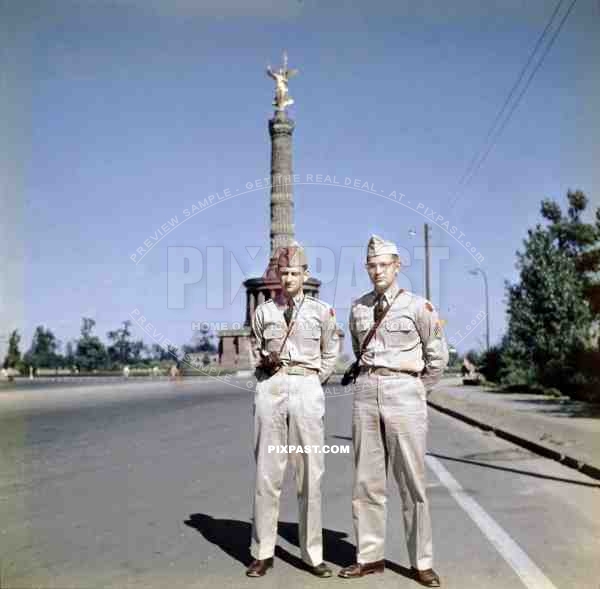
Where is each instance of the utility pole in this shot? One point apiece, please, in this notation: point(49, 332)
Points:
point(487, 310)
point(427, 264)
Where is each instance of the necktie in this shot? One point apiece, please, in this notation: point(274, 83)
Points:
point(289, 312)
point(380, 307)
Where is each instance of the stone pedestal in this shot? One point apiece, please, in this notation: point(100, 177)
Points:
point(234, 348)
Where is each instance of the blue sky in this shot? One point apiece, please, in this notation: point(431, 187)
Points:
point(120, 115)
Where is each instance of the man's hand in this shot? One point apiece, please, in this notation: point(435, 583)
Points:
point(351, 374)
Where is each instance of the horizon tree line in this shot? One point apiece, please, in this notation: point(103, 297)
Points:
point(88, 352)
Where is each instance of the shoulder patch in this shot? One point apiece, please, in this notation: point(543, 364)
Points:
point(331, 311)
point(429, 306)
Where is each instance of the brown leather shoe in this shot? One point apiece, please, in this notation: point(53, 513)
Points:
point(258, 568)
point(321, 570)
point(360, 570)
point(427, 577)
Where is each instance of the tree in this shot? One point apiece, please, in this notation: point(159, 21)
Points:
point(474, 357)
point(203, 343)
point(173, 353)
point(137, 349)
point(579, 240)
point(121, 350)
point(455, 361)
point(492, 362)
point(159, 354)
point(550, 317)
point(90, 353)
point(43, 352)
point(69, 357)
point(13, 355)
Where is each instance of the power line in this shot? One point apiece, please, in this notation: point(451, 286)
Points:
point(493, 133)
point(511, 93)
point(521, 94)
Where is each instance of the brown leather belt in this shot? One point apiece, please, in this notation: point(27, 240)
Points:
point(298, 370)
point(383, 371)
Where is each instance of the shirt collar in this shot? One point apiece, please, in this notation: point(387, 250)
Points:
point(390, 293)
point(298, 299)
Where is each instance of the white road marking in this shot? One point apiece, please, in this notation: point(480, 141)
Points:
point(528, 571)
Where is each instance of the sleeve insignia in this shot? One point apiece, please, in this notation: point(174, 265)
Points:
point(429, 306)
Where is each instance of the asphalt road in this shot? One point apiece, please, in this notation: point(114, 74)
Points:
point(150, 485)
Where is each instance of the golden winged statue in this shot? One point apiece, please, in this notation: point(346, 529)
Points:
point(282, 98)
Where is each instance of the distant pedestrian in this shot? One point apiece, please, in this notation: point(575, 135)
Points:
point(173, 372)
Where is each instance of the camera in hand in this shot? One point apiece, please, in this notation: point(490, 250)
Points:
point(271, 363)
point(351, 374)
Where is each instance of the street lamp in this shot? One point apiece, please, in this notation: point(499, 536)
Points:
point(474, 272)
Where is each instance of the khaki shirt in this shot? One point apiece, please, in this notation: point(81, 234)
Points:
point(410, 338)
point(313, 341)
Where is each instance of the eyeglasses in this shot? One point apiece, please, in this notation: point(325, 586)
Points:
point(373, 267)
point(288, 272)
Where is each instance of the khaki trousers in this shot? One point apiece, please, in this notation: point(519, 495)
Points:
point(288, 410)
point(389, 426)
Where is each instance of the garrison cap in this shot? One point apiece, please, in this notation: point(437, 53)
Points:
point(378, 246)
point(292, 255)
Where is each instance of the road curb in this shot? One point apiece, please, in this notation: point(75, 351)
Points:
point(583, 467)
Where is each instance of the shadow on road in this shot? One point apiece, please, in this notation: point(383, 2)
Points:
point(233, 537)
point(335, 549)
point(230, 535)
point(515, 470)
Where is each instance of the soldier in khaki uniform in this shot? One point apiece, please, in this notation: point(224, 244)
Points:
point(400, 365)
point(289, 410)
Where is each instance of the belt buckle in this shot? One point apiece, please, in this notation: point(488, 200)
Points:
point(298, 370)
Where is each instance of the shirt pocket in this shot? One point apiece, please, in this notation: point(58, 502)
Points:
point(311, 339)
point(401, 333)
point(363, 321)
point(273, 337)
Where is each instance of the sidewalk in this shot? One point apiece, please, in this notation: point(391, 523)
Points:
point(558, 428)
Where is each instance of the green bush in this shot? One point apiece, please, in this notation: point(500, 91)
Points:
point(492, 364)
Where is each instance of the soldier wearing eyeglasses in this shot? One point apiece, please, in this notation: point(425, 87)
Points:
point(401, 363)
